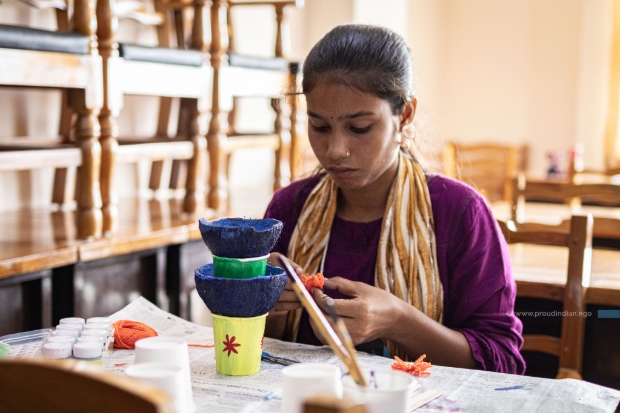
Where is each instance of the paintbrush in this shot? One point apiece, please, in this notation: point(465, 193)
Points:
point(342, 347)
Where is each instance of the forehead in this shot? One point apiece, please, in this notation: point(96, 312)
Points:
point(336, 100)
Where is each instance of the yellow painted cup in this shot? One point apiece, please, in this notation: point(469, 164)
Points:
point(238, 344)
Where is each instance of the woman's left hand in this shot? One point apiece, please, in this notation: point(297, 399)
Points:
point(369, 313)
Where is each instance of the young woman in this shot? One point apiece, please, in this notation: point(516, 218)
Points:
point(415, 262)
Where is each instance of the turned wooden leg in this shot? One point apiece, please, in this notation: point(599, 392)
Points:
point(109, 148)
point(89, 217)
point(216, 145)
point(282, 129)
point(295, 126)
point(194, 194)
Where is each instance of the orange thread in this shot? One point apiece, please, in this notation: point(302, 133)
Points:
point(317, 280)
point(202, 345)
point(127, 332)
point(417, 368)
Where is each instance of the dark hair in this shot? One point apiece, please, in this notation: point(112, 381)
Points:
point(368, 58)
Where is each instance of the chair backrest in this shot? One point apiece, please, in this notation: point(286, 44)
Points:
point(488, 167)
point(578, 240)
point(40, 385)
point(572, 194)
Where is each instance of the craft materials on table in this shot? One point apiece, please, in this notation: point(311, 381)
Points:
point(239, 288)
point(337, 337)
point(463, 389)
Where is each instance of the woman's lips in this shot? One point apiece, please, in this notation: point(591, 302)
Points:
point(340, 172)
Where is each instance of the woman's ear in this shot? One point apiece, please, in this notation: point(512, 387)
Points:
point(408, 112)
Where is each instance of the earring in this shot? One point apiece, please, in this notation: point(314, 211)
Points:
point(409, 130)
point(348, 153)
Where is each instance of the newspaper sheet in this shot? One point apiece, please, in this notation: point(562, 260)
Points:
point(463, 390)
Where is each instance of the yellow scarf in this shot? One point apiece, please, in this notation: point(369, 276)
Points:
point(406, 258)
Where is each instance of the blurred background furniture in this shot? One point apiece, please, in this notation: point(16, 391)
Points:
point(572, 294)
point(488, 167)
point(65, 60)
point(46, 385)
point(236, 76)
point(176, 68)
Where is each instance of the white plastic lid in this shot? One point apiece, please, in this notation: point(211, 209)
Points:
point(99, 320)
point(87, 338)
point(87, 350)
point(63, 332)
point(97, 326)
point(76, 327)
point(62, 339)
point(95, 332)
point(72, 320)
point(57, 350)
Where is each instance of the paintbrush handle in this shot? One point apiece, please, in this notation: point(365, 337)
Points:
point(323, 325)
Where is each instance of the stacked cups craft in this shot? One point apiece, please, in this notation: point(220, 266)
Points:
point(239, 288)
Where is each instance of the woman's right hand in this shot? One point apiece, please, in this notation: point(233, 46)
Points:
point(288, 300)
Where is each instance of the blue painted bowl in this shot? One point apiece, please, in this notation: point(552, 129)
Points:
point(239, 237)
point(247, 297)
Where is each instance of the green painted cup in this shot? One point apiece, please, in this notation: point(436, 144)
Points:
point(238, 344)
point(239, 267)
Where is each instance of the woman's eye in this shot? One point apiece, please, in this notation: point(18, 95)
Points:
point(323, 128)
point(360, 130)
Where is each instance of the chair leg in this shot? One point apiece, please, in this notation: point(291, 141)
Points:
point(88, 197)
point(282, 155)
point(194, 195)
point(109, 149)
point(216, 144)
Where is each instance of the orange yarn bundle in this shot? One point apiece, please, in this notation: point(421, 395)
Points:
point(127, 332)
point(317, 280)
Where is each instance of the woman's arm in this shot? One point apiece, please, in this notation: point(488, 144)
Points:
point(372, 313)
point(288, 301)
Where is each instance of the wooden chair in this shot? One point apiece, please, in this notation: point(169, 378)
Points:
point(67, 61)
point(175, 69)
point(571, 194)
point(236, 76)
point(568, 347)
point(43, 385)
point(488, 167)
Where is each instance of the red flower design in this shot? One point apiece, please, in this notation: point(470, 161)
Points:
point(229, 345)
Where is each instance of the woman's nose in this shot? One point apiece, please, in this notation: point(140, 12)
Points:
point(338, 147)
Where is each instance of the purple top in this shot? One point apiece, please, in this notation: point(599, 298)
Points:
point(473, 260)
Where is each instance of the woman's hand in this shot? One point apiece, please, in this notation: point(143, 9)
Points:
point(288, 300)
point(368, 314)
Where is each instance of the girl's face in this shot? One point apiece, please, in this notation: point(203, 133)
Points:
point(353, 134)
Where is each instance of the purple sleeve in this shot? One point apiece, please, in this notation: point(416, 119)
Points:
point(481, 290)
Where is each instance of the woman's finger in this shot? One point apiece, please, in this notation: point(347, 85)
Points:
point(344, 286)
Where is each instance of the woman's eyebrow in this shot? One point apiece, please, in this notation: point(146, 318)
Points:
point(349, 116)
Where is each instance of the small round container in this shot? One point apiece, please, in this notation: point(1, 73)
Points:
point(87, 338)
point(72, 320)
point(76, 327)
point(96, 332)
point(98, 326)
point(87, 350)
point(99, 320)
point(57, 350)
point(62, 332)
point(239, 267)
point(61, 339)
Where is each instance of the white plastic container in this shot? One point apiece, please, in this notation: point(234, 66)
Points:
point(61, 339)
point(72, 320)
point(76, 327)
point(57, 350)
point(87, 350)
point(62, 332)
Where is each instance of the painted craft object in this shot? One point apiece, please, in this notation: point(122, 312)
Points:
point(239, 288)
